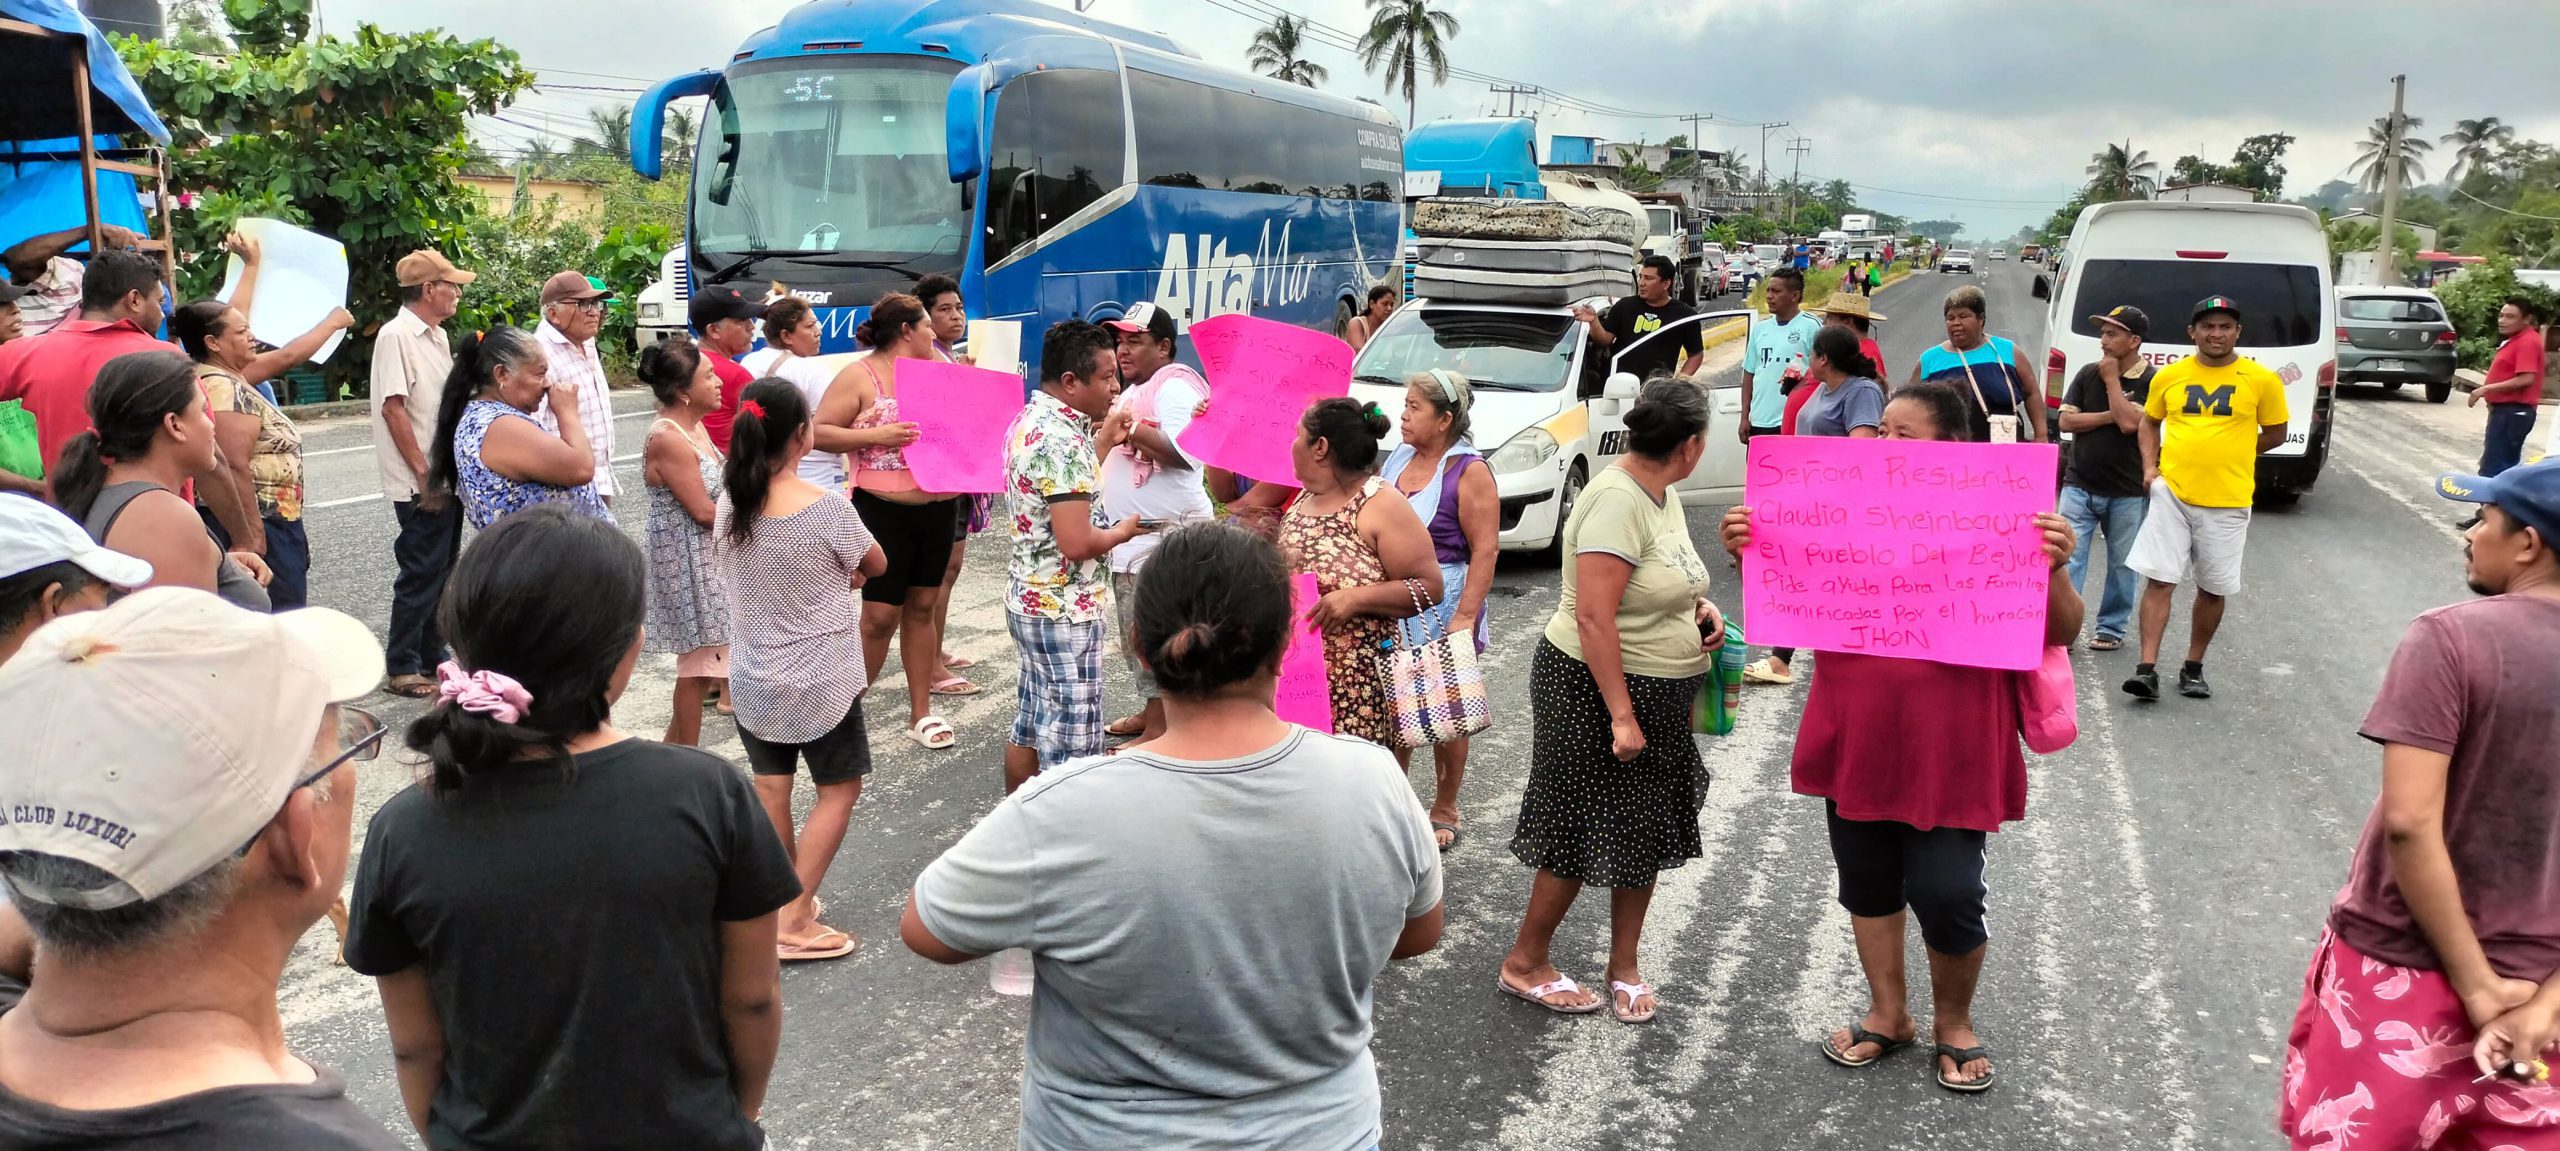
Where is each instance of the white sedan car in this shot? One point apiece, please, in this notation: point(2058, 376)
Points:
point(1956, 260)
point(1999, 253)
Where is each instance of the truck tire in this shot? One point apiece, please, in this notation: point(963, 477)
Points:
point(2438, 393)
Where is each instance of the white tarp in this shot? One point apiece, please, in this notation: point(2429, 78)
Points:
point(302, 277)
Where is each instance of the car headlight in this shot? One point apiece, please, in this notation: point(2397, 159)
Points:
point(649, 312)
point(1528, 451)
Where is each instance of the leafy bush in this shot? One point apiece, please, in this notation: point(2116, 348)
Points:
point(2471, 302)
point(515, 254)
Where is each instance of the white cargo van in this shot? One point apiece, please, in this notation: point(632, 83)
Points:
point(1545, 417)
point(2162, 257)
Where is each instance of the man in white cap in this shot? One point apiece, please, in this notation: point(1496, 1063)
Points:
point(1145, 474)
point(573, 307)
point(180, 806)
point(50, 567)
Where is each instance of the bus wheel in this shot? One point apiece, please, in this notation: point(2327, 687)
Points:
point(1342, 313)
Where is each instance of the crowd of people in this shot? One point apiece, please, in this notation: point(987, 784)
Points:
point(788, 545)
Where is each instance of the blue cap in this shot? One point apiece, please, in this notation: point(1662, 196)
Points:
point(2530, 493)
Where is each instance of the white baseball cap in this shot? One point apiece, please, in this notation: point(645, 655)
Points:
point(33, 534)
point(154, 738)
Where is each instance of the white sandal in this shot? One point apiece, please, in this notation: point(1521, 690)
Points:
point(1633, 992)
point(1765, 670)
point(1560, 985)
point(933, 733)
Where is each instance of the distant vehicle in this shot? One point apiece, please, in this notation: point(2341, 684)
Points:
point(2546, 277)
point(1999, 253)
point(2395, 336)
point(1669, 232)
point(2162, 257)
point(662, 303)
point(1956, 260)
point(2031, 253)
point(1553, 419)
point(1769, 257)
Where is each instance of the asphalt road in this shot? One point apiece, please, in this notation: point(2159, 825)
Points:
point(2150, 918)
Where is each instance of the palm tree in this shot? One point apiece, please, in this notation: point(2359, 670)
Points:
point(681, 126)
point(1408, 36)
point(1275, 53)
point(2473, 142)
point(612, 132)
point(2369, 165)
point(2133, 175)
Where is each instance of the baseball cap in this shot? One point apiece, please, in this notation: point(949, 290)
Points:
point(34, 535)
point(2128, 317)
point(563, 286)
point(721, 302)
point(1144, 317)
point(426, 265)
point(2214, 304)
point(9, 292)
point(2530, 493)
point(159, 735)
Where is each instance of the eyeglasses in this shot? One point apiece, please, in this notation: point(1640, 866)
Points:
point(360, 738)
point(586, 307)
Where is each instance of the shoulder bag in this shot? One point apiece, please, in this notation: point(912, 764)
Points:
point(1435, 691)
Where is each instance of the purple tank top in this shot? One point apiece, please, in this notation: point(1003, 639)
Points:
point(1448, 541)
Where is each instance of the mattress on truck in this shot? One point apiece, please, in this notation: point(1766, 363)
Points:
point(1454, 285)
point(1526, 255)
point(1550, 220)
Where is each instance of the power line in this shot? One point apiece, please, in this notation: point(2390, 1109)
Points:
point(2495, 208)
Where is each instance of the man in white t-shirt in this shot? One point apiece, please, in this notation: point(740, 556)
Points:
point(1147, 475)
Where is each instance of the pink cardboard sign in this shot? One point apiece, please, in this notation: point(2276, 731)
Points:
point(1899, 548)
point(1306, 688)
point(961, 414)
point(1264, 374)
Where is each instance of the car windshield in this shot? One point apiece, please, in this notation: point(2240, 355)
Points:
point(2390, 309)
point(1496, 351)
point(2279, 303)
point(836, 161)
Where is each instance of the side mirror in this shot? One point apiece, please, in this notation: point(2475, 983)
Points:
point(2042, 290)
point(1621, 386)
point(963, 130)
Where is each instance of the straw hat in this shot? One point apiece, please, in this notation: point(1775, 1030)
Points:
point(1849, 304)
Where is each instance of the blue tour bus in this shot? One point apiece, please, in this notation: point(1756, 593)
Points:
point(1058, 166)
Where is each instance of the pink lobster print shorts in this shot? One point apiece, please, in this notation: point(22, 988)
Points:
point(2380, 1060)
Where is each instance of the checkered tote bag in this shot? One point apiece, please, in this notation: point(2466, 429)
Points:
point(1435, 691)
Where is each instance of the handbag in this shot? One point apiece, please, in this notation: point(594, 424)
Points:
point(1435, 690)
point(1719, 699)
point(19, 450)
point(2049, 703)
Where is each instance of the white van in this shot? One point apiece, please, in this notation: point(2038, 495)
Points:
point(1546, 419)
point(2162, 257)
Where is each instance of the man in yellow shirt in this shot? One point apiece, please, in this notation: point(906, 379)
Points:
point(2207, 418)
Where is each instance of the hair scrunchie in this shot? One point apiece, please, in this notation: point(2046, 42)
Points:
point(751, 408)
point(493, 694)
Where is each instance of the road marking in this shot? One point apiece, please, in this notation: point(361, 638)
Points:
point(369, 447)
point(351, 501)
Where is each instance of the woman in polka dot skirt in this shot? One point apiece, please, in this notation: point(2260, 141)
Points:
point(1615, 782)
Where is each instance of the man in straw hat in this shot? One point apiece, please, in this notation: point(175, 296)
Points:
point(2102, 489)
point(412, 355)
point(1849, 310)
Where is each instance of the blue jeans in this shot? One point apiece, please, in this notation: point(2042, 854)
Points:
point(2510, 425)
point(425, 550)
point(2120, 517)
point(288, 557)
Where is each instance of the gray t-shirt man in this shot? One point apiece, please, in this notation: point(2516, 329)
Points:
point(1204, 935)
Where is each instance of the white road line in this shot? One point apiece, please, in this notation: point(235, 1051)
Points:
point(351, 501)
point(369, 447)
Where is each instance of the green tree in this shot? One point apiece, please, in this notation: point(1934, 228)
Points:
point(2369, 166)
point(2473, 142)
point(1838, 196)
point(196, 26)
point(2122, 174)
point(360, 137)
point(683, 126)
point(2258, 163)
point(609, 133)
point(2471, 302)
point(1634, 174)
point(1405, 37)
point(2359, 236)
point(1943, 231)
point(1278, 52)
point(2193, 169)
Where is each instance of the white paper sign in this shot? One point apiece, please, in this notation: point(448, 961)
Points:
point(996, 345)
point(1423, 182)
point(302, 277)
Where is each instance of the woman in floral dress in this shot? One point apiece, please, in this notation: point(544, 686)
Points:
point(1372, 559)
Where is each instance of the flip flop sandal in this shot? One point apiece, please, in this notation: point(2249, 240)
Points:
point(1765, 670)
point(959, 663)
point(933, 733)
point(1962, 1056)
point(955, 685)
point(1885, 1045)
point(1537, 995)
point(1455, 835)
point(2106, 643)
point(1633, 992)
point(821, 949)
point(1127, 727)
point(410, 686)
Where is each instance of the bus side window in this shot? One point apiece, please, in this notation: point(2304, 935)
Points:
point(1012, 214)
point(1057, 147)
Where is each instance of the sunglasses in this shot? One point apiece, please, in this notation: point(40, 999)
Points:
point(360, 735)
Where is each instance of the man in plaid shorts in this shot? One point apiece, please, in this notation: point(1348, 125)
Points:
point(1058, 589)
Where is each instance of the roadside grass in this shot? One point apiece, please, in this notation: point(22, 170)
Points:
point(1819, 283)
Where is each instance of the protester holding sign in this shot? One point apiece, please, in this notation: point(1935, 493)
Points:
point(940, 295)
point(1370, 557)
point(1916, 761)
point(1439, 472)
point(1845, 401)
point(1615, 782)
point(1146, 474)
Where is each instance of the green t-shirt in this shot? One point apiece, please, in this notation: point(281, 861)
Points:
point(1657, 617)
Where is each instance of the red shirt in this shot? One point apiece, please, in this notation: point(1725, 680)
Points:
point(51, 375)
point(1796, 399)
point(733, 380)
point(1912, 741)
point(2521, 355)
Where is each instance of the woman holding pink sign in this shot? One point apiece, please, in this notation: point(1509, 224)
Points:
point(1371, 559)
point(914, 527)
point(1916, 762)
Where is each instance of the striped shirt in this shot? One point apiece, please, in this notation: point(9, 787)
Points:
point(577, 363)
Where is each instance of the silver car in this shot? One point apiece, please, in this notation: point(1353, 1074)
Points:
point(2395, 336)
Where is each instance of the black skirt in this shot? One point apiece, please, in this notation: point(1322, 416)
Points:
point(1585, 815)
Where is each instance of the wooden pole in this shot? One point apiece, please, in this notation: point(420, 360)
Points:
point(88, 142)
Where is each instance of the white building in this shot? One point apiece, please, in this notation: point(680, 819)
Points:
point(2208, 194)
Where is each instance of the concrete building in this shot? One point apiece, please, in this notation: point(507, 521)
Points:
point(570, 200)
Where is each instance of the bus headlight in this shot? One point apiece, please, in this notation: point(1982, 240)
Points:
point(1528, 451)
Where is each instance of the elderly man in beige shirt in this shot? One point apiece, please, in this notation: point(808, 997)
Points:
point(572, 313)
point(412, 355)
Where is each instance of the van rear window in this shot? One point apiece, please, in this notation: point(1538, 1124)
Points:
point(2279, 303)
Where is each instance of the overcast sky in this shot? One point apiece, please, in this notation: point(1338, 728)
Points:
point(1958, 108)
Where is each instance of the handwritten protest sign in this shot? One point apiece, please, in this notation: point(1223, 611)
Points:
point(960, 414)
point(1306, 689)
point(1262, 375)
point(302, 277)
point(1899, 548)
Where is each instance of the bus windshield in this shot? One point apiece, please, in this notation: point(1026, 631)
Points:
point(831, 161)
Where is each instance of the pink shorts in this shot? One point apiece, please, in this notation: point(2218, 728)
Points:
point(704, 663)
point(2380, 1060)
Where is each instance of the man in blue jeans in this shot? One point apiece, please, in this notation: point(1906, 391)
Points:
point(2102, 489)
point(2513, 386)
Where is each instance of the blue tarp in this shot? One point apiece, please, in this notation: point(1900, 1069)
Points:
point(38, 103)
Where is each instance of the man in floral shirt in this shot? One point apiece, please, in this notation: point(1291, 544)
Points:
point(1058, 590)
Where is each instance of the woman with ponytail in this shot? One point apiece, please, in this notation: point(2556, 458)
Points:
point(1372, 560)
point(916, 528)
point(793, 555)
point(587, 916)
point(688, 602)
point(491, 451)
point(1846, 401)
point(148, 432)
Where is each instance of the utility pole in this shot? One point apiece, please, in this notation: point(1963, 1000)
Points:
point(1511, 94)
point(1802, 145)
point(2390, 253)
point(1764, 158)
